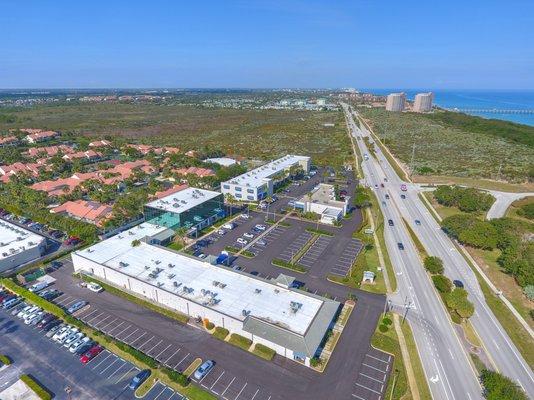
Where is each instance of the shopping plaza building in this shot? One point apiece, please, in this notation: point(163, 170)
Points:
point(260, 183)
point(18, 246)
point(271, 312)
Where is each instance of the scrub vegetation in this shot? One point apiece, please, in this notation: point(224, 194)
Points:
point(457, 145)
point(262, 134)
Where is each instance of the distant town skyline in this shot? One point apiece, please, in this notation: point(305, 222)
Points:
point(267, 44)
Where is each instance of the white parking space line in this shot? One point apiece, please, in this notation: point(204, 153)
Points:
point(130, 334)
point(117, 370)
point(378, 369)
point(156, 357)
point(257, 390)
point(241, 391)
point(87, 316)
point(358, 397)
point(124, 375)
point(144, 343)
point(378, 359)
point(143, 334)
point(164, 388)
point(183, 359)
point(166, 361)
point(365, 387)
point(109, 355)
point(370, 377)
point(115, 327)
point(102, 320)
point(89, 320)
point(105, 369)
point(217, 380)
point(154, 346)
point(108, 324)
point(233, 379)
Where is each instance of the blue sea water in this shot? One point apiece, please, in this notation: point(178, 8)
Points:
point(478, 99)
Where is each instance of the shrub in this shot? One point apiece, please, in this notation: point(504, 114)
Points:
point(284, 264)
point(209, 325)
point(220, 333)
point(264, 351)
point(36, 387)
point(457, 301)
point(319, 231)
point(497, 386)
point(240, 341)
point(527, 210)
point(466, 199)
point(442, 283)
point(315, 361)
point(175, 376)
point(472, 231)
point(5, 359)
point(529, 292)
point(387, 321)
point(434, 265)
point(383, 328)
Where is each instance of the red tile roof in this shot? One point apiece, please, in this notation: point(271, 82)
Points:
point(90, 211)
point(50, 150)
point(8, 140)
point(168, 192)
point(38, 135)
point(57, 187)
point(100, 143)
point(201, 172)
point(89, 155)
point(15, 168)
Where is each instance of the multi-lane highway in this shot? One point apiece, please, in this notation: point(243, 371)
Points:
point(429, 319)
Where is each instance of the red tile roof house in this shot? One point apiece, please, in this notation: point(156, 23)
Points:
point(100, 143)
point(89, 155)
point(145, 149)
point(8, 141)
point(200, 172)
point(49, 150)
point(88, 211)
point(57, 187)
point(168, 192)
point(38, 135)
point(18, 167)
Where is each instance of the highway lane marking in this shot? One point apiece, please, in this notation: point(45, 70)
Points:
point(496, 345)
point(217, 380)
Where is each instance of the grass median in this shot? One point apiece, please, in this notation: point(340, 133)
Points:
point(36, 387)
point(287, 265)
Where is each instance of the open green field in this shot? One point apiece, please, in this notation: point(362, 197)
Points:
point(263, 134)
point(451, 144)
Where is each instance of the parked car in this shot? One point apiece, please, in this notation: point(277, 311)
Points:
point(387, 196)
point(245, 216)
point(11, 303)
point(54, 324)
point(84, 348)
point(38, 286)
point(261, 242)
point(76, 306)
point(78, 343)
point(254, 273)
point(95, 287)
point(237, 268)
point(221, 232)
point(260, 227)
point(291, 203)
point(248, 235)
point(91, 353)
point(33, 318)
point(403, 196)
point(242, 241)
point(202, 255)
point(390, 222)
point(54, 329)
point(204, 369)
point(400, 246)
point(70, 331)
point(139, 379)
point(229, 226)
point(18, 308)
point(73, 338)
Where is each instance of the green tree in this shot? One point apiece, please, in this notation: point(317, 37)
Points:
point(499, 387)
point(442, 283)
point(434, 265)
point(457, 301)
point(361, 198)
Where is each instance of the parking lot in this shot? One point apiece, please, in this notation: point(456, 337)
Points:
point(314, 252)
point(347, 258)
point(370, 383)
point(105, 377)
point(295, 246)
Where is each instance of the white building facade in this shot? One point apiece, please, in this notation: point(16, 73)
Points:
point(18, 246)
point(423, 102)
point(322, 201)
point(259, 183)
point(289, 321)
point(395, 102)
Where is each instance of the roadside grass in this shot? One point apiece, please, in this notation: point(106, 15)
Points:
point(304, 249)
point(418, 245)
point(244, 253)
point(455, 145)
point(487, 260)
point(470, 333)
point(443, 211)
point(193, 367)
point(519, 336)
point(220, 333)
point(146, 386)
point(5, 360)
point(263, 351)
point(240, 341)
point(182, 318)
point(319, 232)
point(388, 342)
point(475, 182)
point(176, 246)
point(514, 209)
point(417, 366)
point(36, 387)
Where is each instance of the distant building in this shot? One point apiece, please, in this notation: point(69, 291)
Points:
point(322, 201)
point(88, 211)
point(224, 161)
point(259, 183)
point(395, 102)
point(9, 141)
point(38, 135)
point(191, 208)
point(423, 102)
point(18, 246)
point(100, 143)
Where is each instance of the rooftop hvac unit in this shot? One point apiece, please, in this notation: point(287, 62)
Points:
point(245, 313)
point(176, 205)
point(215, 283)
point(147, 267)
point(295, 306)
point(88, 250)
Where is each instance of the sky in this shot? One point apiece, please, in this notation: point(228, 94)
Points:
point(453, 44)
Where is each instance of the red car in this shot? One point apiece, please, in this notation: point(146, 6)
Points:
point(91, 353)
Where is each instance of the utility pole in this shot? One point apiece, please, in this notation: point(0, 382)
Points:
point(412, 160)
point(407, 307)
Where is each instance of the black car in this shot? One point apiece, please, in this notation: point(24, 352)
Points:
point(403, 196)
point(400, 246)
point(458, 283)
point(390, 222)
point(84, 349)
point(255, 273)
point(51, 324)
point(139, 379)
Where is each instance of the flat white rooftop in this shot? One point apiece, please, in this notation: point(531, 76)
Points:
point(183, 200)
point(224, 161)
point(257, 177)
point(14, 240)
point(223, 290)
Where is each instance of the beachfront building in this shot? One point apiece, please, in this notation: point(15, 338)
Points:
point(18, 246)
point(322, 201)
point(423, 102)
point(260, 183)
point(395, 102)
point(189, 207)
point(290, 321)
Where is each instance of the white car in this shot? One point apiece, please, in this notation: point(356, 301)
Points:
point(79, 343)
point(73, 338)
point(229, 226)
point(95, 287)
point(28, 312)
point(260, 227)
point(60, 332)
point(67, 335)
point(245, 216)
point(248, 235)
point(33, 317)
point(242, 241)
point(21, 312)
point(221, 232)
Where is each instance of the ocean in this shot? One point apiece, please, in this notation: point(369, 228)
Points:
point(478, 99)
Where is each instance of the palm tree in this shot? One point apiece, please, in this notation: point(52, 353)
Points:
point(230, 200)
point(268, 200)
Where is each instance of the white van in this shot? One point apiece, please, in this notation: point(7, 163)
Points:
point(38, 286)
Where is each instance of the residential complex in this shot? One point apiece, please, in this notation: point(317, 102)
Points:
point(395, 102)
point(92, 212)
point(290, 321)
point(191, 208)
point(260, 183)
point(18, 246)
point(322, 201)
point(423, 102)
